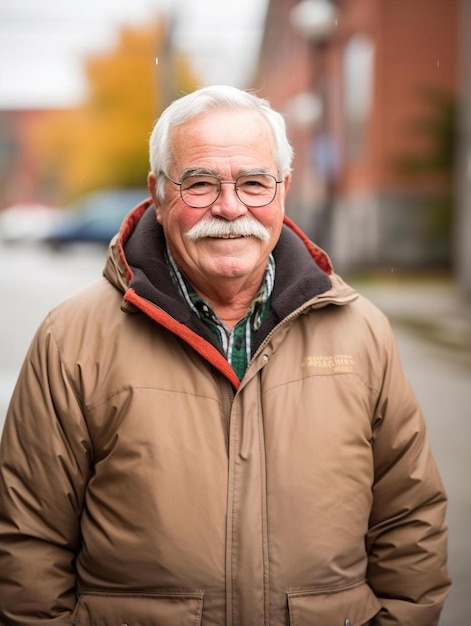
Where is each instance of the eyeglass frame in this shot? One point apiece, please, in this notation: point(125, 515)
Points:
point(221, 182)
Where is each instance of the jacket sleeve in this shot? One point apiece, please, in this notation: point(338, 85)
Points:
point(44, 470)
point(407, 538)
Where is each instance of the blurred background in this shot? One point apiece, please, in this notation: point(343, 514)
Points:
point(375, 93)
point(377, 99)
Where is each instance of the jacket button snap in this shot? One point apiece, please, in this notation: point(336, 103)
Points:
point(265, 358)
point(347, 623)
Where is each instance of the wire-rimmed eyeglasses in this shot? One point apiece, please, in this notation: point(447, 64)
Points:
point(200, 191)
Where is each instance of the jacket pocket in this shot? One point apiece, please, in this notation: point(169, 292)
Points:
point(173, 608)
point(353, 605)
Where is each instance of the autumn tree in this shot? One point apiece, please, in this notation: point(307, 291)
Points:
point(104, 142)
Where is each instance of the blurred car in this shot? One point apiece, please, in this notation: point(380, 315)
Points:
point(27, 223)
point(94, 218)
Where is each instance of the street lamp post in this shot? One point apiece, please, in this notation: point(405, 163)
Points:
point(316, 20)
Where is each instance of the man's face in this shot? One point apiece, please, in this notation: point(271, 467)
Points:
point(225, 144)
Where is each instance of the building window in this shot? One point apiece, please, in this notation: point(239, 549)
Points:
point(358, 68)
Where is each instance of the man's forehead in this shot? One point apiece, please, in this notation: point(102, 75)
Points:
point(224, 119)
point(241, 135)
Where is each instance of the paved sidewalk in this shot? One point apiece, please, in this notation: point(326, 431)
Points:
point(439, 370)
point(432, 308)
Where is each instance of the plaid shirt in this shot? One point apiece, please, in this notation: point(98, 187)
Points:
point(236, 343)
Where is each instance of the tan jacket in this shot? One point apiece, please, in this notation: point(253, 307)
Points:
point(141, 484)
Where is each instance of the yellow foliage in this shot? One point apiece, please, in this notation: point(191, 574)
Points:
point(104, 142)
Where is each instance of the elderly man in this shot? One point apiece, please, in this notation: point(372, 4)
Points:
point(219, 431)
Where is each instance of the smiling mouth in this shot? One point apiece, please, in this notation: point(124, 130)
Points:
point(228, 236)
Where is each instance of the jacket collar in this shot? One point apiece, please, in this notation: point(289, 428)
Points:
point(136, 260)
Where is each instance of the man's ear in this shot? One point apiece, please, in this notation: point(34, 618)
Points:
point(287, 182)
point(284, 189)
point(152, 185)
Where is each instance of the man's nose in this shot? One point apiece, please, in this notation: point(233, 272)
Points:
point(228, 204)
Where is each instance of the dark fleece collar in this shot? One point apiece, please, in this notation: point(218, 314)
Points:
point(298, 278)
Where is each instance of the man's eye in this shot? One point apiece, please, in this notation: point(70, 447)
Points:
point(253, 183)
point(199, 185)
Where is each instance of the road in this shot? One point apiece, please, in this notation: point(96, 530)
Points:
point(32, 281)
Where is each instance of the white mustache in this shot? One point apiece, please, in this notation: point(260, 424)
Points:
point(215, 227)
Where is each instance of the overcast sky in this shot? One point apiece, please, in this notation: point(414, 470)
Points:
point(43, 42)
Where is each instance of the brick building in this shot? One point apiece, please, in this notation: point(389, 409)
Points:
point(370, 108)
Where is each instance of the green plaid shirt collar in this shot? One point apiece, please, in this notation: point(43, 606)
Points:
point(236, 343)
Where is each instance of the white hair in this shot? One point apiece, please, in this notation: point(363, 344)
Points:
point(206, 99)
